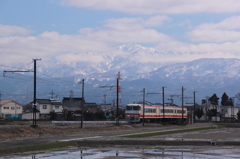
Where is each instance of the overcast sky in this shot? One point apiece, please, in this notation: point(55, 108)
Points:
point(64, 29)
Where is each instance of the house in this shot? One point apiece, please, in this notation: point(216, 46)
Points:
point(28, 114)
point(72, 103)
point(224, 113)
point(190, 107)
point(10, 109)
point(45, 106)
point(91, 107)
point(107, 108)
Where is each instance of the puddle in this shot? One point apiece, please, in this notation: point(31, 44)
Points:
point(174, 139)
point(134, 153)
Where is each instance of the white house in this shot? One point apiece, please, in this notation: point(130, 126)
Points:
point(223, 112)
point(10, 109)
point(45, 106)
point(228, 111)
point(28, 114)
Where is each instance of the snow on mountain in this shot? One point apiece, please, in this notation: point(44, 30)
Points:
point(207, 76)
point(109, 64)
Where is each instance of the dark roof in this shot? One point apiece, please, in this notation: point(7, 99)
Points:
point(48, 101)
point(90, 104)
point(68, 98)
point(56, 103)
point(27, 110)
point(72, 102)
point(44, 101)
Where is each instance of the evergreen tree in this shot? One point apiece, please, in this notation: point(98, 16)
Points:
point(237, 96)
point(204, 101)
point(238, 115)
point(53, 115)
point(214, 99)
point(199, 112)
point(230, 102)
point(225, 99)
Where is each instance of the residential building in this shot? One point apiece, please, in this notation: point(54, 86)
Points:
point(72, 103)
point(28, 114)
point(10, 109)
point(91, 107)
point(107, 108)
point(224, 113)
point(45, 106)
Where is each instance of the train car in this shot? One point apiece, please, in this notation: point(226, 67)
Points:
point(154, 113)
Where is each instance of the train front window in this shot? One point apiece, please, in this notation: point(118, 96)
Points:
point(129, 107)
point(136, 108)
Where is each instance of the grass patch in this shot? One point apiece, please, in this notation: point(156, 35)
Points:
point(37, 147)
point(170, 132)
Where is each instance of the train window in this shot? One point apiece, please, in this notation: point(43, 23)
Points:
point(128, 107)
point(180, 111)
point(149, 110)
point(136, 108)
point(167, 110)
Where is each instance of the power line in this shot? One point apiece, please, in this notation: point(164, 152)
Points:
point(57, 78)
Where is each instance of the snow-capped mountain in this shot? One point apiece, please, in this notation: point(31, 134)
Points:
point(206, 76)
point(128, 64)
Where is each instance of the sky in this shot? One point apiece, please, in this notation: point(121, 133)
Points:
point(65, 29)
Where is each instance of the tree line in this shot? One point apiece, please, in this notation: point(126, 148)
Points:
point(214, 100)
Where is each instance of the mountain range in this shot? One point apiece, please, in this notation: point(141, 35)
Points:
point(205, 76)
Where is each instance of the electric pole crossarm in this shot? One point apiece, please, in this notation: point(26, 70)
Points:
point(143, 104)
point(107, 86)
point(154, 93)
point(34, 89)
point(182, 102)
point(4, 72)
point(82, 82)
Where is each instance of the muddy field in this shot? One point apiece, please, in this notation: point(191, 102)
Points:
point(23, 134)
point(15, 130)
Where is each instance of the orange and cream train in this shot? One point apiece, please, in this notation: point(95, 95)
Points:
point(154, 113)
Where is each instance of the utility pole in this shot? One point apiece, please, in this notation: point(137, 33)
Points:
point(104, 102)
point(143, 104)
point(194, 106)
point(163, 98)
point(117, 120)
point(182, 102)
point(0, 97)
point(232, 109)
point(117, 100)
point(82, 82)
point(163, 103)
point(171, 99)
point(34, 96)
point(71, 98)
point(34, 91)
point(52, 94)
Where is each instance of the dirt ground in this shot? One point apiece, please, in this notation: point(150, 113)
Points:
point(23, 134)
point(22, 130)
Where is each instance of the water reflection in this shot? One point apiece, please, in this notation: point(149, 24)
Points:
point(136, 153)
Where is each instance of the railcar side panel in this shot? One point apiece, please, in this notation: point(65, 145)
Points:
point(134, 113)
